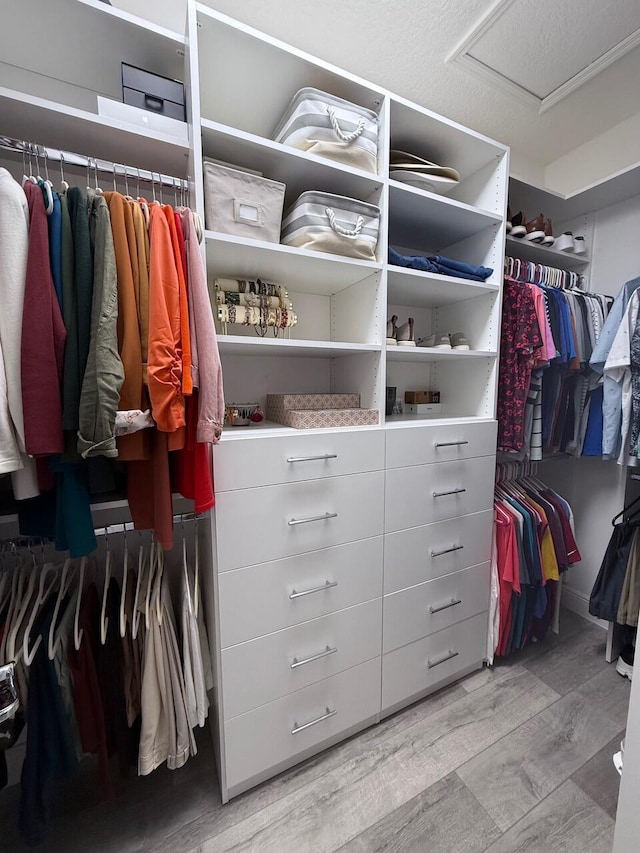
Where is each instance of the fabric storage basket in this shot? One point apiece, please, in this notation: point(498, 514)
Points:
point(333, 223)
point(331, 127)
point(242, 203)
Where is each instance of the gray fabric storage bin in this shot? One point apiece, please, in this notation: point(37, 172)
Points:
point(333, 223)
point(243, 204)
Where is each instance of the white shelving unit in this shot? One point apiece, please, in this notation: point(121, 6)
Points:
point(520, 248)
point(241, 83)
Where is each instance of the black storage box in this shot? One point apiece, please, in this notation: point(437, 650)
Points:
point(152, 92)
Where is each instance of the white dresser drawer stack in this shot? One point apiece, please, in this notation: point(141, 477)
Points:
point(437, 550)
point(299, 555)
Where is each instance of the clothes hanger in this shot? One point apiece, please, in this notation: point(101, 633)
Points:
point(66, 579)
point(96, 186)
point(104, 620)
point(196, 584)
point(625, 510)
point(77, 633)
point(135, 620)
point(123, 588)
point(44, 591)
point(159, 579)
point(152, 568)
point(64, 186)
point(22, 606)
point(185, 570)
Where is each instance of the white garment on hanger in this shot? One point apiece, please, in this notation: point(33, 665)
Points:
point(494, 606)
point(618, 368)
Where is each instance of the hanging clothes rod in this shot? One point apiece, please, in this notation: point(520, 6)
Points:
point(69, 158)
point(123, 527)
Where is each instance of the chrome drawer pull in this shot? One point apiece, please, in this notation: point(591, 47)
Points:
point(447, 551)
point(452, 603)
point(325, 654)
point(312, 458)
point(296, 728)
point(325, 585)
point(293, 521)
point(449, 443)
point(448, 656)
point(443, 494)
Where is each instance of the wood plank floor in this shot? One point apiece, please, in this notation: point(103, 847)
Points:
point(514, 758)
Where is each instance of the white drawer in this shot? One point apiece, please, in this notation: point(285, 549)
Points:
point(408, 446)
point(425, 663)
point(424, 553)
point(262, 739)
point(422, 610)
point(428, 493)
point(268, 597)
point(258, 525)
point(265, 669)
point(289, 459)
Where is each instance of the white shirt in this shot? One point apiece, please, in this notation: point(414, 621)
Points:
point(618, 368)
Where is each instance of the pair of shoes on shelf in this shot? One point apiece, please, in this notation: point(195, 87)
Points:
point(568, 243)
point(624, 666)
point(401, 336)
point(458, 340)
point(538, 230)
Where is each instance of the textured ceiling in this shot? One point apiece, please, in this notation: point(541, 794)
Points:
point(403, 47)
point(541, 45)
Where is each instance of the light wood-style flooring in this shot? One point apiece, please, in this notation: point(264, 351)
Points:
point(514, 758)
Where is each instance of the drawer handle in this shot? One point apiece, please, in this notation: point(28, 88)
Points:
point(444, 494)
point(447, 550)
point(312, 458)
point(325, 654)
point(450, 654)
point(452, 603)
point(327, 715)
point(325, 585)
point(449, 443)
point(294, 521)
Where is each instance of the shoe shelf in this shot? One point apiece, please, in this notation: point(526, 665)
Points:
point(518, 247)
point(430, 290)
point(416, 214)
point(298, 170)
point(427, 354)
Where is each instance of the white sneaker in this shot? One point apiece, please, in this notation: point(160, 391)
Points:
point(565, 242)
point(459, 341)
point(579, 247)
point(435, 342)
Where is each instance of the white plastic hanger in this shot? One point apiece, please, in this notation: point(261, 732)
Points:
point(135, 618)
point(158, 583)
point(77, 634)
point(66, 579)
point(64, 186)
point(123, 588)
point(104, 619)
point(185, 570)
point(44, 590)
point(152, 568)
point(196, 584)
point(21, 608)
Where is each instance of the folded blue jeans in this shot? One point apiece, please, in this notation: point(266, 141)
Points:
point(440, 264)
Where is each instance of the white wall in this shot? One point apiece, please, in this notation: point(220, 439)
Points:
point(599, 158)
point(171, 14)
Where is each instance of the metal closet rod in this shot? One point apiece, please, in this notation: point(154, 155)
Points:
point(70, 158)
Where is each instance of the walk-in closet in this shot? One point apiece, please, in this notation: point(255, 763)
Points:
point(319, 426)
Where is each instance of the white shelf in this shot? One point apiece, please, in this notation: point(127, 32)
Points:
point(301, 270)
point(60, 126)
point(423, 220)
point(431, 354)
point(518, 247)
point(404, 420)
point(83, 42)
point(430, 290)
point(269, 429)
point(299, 170)
point(270, 346)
